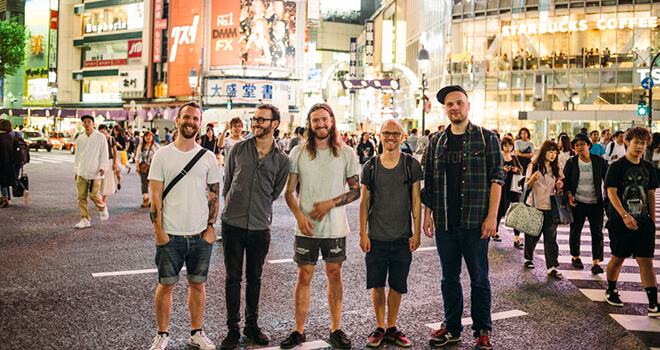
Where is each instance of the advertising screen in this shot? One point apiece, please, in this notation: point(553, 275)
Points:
point(253, 33)
point(185, 42)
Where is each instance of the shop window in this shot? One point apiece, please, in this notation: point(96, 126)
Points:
point(561, 79)
point(101, 89)
point(624, 77)
point(503, 80)
point(125, 17)
point(576, 78)
point(517, 80)
point(529, 80)
point(608, 77)
point(505, 3)
point(592, 78)
point(624, 96)
point(493, 4)
point(491, 81)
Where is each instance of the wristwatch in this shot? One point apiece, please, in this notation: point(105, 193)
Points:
point(625, 216)
point(212, 224)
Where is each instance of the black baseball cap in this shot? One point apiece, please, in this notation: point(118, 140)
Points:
point(86, 116)
point(446, 90)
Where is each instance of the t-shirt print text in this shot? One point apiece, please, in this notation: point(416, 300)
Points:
point(455, 157)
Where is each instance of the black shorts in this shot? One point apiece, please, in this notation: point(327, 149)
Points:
point(306, 250)
point(393, 258)
point(624, 242)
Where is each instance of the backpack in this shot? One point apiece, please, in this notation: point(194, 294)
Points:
point(408, 161)
point(613, 144)
point(22, 152)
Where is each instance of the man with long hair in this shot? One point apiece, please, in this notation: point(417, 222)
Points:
point(324, 165)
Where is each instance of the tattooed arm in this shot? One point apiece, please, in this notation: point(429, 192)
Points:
point(214, 205)
point(323, 208)
point(157, 211)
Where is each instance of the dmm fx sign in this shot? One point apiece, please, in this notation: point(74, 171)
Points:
point(579, 26)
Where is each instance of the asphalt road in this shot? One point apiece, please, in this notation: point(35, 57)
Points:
point(52, 298)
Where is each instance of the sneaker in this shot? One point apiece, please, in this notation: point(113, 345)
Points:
point(577, 263)
point(483, 341)
point(518, 245)
point(398, 338)
point(256, 335)
point(375, 338)
point(612, 298)
point(497, 237)
point(529, 264)
point(84, 223)
point(27, 197)
point(654, 311)
point(553, 272)
point(339, 340)
point(4, 202)
point(103, 214)
point(218, 238)
point(293, 340)
point(442, 336)
point(232, 340)
point(200, 341)
point(160, 342)
point(596, 269)
point(118, 187)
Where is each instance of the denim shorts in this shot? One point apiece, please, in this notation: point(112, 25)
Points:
point(306, 250)
point(393, 258)
point(195, 252)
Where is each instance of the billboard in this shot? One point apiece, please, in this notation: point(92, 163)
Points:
point(184, 44)
point(253, 33)
point(250, 91)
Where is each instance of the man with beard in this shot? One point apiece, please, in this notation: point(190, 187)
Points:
point(183, 220)
point(323, 165)
point(463, 182)
point(250, 190)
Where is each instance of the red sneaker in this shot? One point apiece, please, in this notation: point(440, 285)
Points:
point(397, 337)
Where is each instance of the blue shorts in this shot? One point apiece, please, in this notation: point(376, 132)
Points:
point(393, 258)
point(170, 257)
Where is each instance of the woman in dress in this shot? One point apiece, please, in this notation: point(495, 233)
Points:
point(565, 151)
point(511, 167)
point(143, 156)
point(120, 138)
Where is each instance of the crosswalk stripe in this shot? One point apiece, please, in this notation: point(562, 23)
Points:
point(47, 160)
point(630, 297)
point(584, 248)
point(638, 323)
point(319, 344)
point(588, 261)
point(588, 276)
point(283, 261)
point(495, 316)
point(127, 272)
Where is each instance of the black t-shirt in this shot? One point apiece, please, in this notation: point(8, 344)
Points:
point(633, 181)
point(365, 150)
point(454, 174)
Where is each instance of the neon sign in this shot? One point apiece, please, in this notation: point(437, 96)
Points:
point(582, 25)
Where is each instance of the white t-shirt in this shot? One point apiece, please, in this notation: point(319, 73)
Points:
point(229, 143)
point(322, 179)
point(619, 151)
point(185, 209)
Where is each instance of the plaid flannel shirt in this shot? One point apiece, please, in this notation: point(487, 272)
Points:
point(482, 165)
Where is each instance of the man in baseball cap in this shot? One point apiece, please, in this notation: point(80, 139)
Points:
point(442, 94)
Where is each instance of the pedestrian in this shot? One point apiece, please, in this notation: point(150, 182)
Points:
point(144, 155)
point(211, 143)
point(413, 139)
point(255, 175)
point(365, 149)
point(184, 223)
point(511, 167)
point(120, 137)
point(168, 136)
point(596, 147)
point(565, 151)
point(583, 182)
point(385, 229)
point(175, 134)
point(109, 185)
point(616, 149)
point(296, 138)
point(156, 138)
point(235, 126)
point(323, 165)
point(8, 162)
point(631, 217)
point(543, 180)
point(652, 153)
point(90, 163)
point(462, 186)
point(607, 138)
point(524, 148)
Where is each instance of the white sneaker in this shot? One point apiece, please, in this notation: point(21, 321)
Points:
point(104, 215)
point(27, 197)
point(200, 341)
point(160, 342)
point(84, 223)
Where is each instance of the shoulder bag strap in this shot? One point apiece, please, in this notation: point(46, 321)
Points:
point(184, 172)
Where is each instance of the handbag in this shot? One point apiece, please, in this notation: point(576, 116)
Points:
point(524, 218)
point(124, 158)
point(562, 214)
point(143, 167)
point(22, 185)
point(517, 180)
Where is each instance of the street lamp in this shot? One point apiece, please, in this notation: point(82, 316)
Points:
point(192, 81)
point(424, 60)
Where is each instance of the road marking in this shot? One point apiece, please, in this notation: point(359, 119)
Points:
point(494, 317)
point(46, 160)
point(128, 272)
point(426, 248)
point(586, 237)
point(638, 323)
point(319, 344)
point(587, 260)
point(588, 276)
point(584, 248)
point(632, 297)
point(284, 261)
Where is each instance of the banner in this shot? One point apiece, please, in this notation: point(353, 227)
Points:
point(185, 44)
point(135, 51)
point(352, 70)
point(249, 91)
point(369, 43)
point(131, 80)
point(253, 33)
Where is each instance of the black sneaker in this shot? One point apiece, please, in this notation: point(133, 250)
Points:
point(596, 269)
point(442, 336)
point(612, 298)
point(339, 340)
point(293, 340)
point(518, 245)
point(497, 238)
point(653, 311)
point(577, 263)
point(256, 335)
point(528, 264)
point(232, 340)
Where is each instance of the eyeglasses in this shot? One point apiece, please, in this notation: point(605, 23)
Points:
point(580, 144)
point(260, 120)
point(388, 134)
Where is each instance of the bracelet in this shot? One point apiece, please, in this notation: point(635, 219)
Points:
point(625, 216)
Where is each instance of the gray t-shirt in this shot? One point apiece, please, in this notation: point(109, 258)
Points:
point(390, 216)
point(586, 191)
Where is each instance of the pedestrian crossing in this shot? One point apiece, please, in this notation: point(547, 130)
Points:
point(49, 158)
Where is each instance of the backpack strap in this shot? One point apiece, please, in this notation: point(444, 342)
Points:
point(183, 172)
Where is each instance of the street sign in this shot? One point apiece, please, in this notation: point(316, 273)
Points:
point(647, 83)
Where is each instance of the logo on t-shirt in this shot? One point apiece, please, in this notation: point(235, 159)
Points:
point(634, 196)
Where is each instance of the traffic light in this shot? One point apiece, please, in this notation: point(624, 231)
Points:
point(642, 109)
point(229, 102)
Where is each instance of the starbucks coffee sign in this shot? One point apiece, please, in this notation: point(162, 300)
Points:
point(575, 26)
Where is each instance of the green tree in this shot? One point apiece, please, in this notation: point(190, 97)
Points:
point(13, 39)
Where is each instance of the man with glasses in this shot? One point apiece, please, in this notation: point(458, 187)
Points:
point(250, 190)
point(584, 174)
point(323, 165)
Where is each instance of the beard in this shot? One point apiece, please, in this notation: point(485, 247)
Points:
point(259, 131)
point(321, 134)
point(188, 134)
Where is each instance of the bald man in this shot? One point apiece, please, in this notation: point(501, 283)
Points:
point(393, 233)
